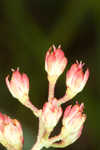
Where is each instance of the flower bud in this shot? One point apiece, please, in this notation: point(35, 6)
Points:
point(11, 135)
point(73, 121)
point(51, 114)
point(76, 79)
point(18, 85)
point(55, 63)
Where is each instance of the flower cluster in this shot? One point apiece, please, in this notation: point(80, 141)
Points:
point(11, 135)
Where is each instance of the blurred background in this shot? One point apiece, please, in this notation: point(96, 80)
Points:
point(27, 29)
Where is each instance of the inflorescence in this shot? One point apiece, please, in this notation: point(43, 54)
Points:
point(11, 134)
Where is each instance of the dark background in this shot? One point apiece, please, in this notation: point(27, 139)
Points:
point(27, 29)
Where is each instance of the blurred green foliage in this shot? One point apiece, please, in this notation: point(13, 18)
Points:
point(27, 29)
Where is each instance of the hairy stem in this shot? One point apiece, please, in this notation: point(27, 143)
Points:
point(51, 90)
point(34, 109)
point(62, 144)
point(37, 146)
point(64, 99)
point(68, 96)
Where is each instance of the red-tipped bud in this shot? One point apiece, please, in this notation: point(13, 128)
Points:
point(55, 63)
point(73, 121)
point(18, 85)
point(11, 135)
point(76, 78)
point(51, 114)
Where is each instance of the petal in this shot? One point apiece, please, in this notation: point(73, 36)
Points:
point(86, 76)
point(25, 81)
point(67, 111)
point(9, 86)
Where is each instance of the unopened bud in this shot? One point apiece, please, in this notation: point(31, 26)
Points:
point(18, 85)
point(76, 79)
point(51, 114)
point(55, 63)
point(73, 121)
point(11, 135)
